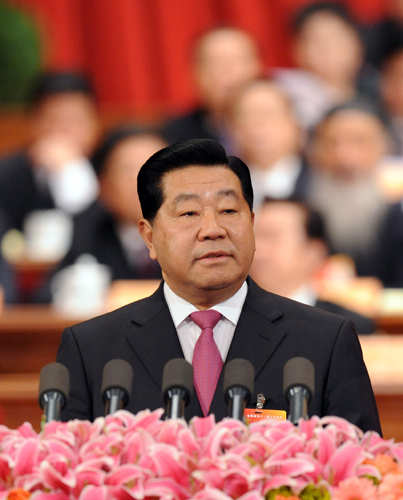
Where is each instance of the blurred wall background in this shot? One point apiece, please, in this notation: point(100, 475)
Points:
point(138, 51)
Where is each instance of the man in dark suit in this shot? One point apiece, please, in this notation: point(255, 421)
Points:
point(53, 170)
point(198, 222)
point(291, 249)
point(107, 229)
point(224, 59)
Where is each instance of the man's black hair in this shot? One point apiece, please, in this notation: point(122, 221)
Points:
point(195, 152)
point(113, 137)
point(60, 82)
point(337, 9)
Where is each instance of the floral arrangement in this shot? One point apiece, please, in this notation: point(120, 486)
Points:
point(134, 457)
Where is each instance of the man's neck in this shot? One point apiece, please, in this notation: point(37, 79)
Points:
point(205, 298)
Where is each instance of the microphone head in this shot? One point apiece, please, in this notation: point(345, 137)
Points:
point(54, 377)
point(177, 374)
point(117, 374)
point(298, 372)
point(239, 373)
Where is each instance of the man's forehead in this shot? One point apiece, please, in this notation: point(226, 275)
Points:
point(195, 173)
point(196, 179)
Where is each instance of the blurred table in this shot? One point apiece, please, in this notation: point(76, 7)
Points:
point(30, 336)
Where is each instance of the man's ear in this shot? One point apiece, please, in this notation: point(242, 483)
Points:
point(146, 231)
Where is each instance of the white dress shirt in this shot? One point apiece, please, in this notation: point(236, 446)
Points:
point(73, 187)
point(189, 332)
point(277, 182)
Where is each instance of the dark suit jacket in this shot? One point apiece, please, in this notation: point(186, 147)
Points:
point(192, 125)
point(389, 255)
point(271, 330)
point(20, 193)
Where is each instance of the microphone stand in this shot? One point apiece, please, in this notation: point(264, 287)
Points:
point(115, 399)
point(237, 397)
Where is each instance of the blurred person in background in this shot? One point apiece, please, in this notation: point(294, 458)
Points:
point(291, 248)
point(8, 289)
point(224, 59)
point(382, 37)
point(107, 229)
point(268, 137)
point(329, 58)
point(391, 93)
point(345, 152)
point(53, 171)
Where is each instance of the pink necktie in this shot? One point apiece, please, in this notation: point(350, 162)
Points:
point(207, 361)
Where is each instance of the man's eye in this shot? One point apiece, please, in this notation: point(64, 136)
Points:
point(229, 211)
point(188, 214)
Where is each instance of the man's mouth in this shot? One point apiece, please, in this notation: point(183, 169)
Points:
point(214, 255)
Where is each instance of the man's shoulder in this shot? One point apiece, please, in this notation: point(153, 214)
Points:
point(288, 311)
point(138, 312)
point(14, 163)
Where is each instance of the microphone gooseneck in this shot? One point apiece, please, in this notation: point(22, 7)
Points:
point(54, 386)
point(298, 386)
point(177, 386)
point(239, 378)
point(116, 385)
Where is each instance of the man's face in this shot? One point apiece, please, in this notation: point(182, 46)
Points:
point(349, 145)
point(264, 126)
point(329, 48)
point(118, 180)
point(285, 257)
point(226, 60)
point(202, 235)
point(392, 85)
point(71, 116)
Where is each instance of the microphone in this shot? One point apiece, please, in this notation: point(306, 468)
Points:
point(177, 386)
point(239, 378)
point(54, 385)
point(116, 385)
point(298, 386)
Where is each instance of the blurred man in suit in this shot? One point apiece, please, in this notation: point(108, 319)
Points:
point(224, 59)
point(345, 153)
point(107, 229)
point(197, 206)
point(53, 171)
point(268, 137)
point(291, 248)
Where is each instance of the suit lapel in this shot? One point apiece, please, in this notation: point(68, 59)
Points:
point(153, 335)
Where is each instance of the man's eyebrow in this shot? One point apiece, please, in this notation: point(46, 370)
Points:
point(182, 197)
point(223, 193)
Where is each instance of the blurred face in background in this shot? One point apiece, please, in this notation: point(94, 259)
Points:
point(349, 145)
point(330, 48)
point(118, 179)
point(285, 257)
point(264, 125)
point(392, 84)
point(395, 8)
point(225, 59)
point(70, 118)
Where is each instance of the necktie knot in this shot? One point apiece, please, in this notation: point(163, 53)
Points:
point(206, 319)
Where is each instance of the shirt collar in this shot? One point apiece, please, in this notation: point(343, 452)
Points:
point(181, 308)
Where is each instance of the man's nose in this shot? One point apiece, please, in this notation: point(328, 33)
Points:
point(210, 226)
